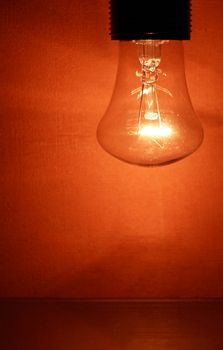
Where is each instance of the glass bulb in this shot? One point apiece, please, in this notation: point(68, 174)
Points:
point(150, 119)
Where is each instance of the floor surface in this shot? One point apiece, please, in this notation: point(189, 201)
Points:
point(111, 325)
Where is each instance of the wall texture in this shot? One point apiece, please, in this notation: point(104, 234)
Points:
point(76, 222)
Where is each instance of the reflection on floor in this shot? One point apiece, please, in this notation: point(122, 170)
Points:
point(121, 325)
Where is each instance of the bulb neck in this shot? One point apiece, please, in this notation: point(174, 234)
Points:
point(149, 58)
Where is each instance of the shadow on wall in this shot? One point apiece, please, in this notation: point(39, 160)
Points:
point(137, 269)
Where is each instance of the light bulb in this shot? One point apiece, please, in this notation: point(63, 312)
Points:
point(150, 119)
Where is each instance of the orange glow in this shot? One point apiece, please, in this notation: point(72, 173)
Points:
point(155, 131)
point(76, 223)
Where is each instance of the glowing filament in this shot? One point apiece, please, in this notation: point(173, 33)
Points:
point(155, 131)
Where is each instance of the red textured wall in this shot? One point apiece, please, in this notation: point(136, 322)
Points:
point(76, 222)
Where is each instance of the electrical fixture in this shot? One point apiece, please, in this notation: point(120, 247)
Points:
point(150, 119)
